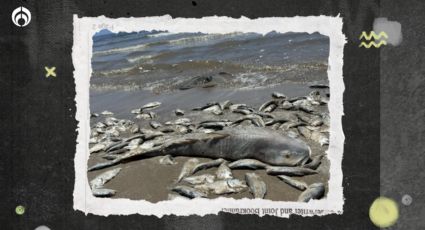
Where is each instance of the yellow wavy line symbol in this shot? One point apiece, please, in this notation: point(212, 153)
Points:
point(368, 37)
point(372, 43)
point(374, 35)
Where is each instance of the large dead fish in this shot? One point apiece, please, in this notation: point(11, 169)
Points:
point(267, 146)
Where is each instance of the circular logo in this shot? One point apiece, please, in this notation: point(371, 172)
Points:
point(20, 210)
point(21, 16)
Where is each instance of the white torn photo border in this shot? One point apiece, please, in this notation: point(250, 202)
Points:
point(86, 27)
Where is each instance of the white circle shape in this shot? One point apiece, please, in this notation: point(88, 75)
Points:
point(42, 227)
point(407, 200)
point(21, 13)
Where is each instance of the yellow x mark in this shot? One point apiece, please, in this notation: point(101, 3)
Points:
point(50, 71)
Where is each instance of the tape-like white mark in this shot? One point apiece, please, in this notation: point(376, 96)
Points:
point(391, 28)
point(85, 28)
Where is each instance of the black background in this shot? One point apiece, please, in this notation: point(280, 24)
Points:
point(38, 126)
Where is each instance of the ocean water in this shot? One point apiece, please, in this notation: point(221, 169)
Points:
point(130, 69)
point(147, 57)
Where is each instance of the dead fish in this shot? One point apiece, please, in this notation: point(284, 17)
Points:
point(269, 106)
point(180, 121)
point(224, 172)
point(319, 86)
point(209, 104)
point(255, 120)
point(198, 81)
point(286, 105)
point(136, 111)
point(320, 138)
point(111, 121)
point(221, 187)
point(188, 168)
point(225, 104)
point(151, 105)
point(242, 111)
point(107, 113)
point(179, 112)
point(207, 165)
point(134, 128)
point(289, 171)
point(294, 183)
point(304, 105)
point(94, 133)
point(326, 119)
point(293, 133)
point(93, 140)
point(278, 95)
point(97, 147)
point(144, 116)
point(313, 191)
point(312, 120)
point(117, 146)
point(264, 115)
point(112, 132)
point(316, 136)
point(155, 124)
point(134, 143)
point(181, 129)
point(315, 162)
point(214, 109)
point(214, 124)
point(103, 192)
point(290, 124)
point(173, 196)
point(201, 179)
point(102, 179)
point(314, 97)
point(167, 160)
point(189, 191)
point(238, 106)
point(247, 164)
point(100, 125)
point(256, 186)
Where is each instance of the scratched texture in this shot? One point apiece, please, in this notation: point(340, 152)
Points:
point(38, 126)
point(403, 113)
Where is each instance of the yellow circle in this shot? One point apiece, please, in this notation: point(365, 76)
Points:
point(20, 210)
point(383, 212)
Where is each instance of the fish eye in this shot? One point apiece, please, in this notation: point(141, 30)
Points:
point(286, 154)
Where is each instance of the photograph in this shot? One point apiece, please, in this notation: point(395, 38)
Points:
point(193, 115)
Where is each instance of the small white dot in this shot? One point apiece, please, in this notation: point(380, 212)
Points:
point(406, 200)
point(42, 227)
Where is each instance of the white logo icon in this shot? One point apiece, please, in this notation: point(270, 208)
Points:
point(21, 16)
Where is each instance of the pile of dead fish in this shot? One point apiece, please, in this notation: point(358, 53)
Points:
point(121, 140)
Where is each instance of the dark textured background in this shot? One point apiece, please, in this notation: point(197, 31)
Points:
point(38, 126)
